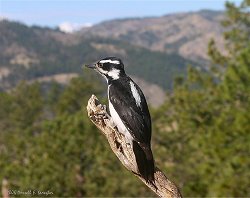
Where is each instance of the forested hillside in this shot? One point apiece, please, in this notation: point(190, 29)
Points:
point(160, 44)
point(155, 50)
point(200, 134)
point(31, 52)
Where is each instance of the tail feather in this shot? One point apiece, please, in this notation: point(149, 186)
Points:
point(145, 162)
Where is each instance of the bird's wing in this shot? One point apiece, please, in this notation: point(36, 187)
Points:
point(136, 119)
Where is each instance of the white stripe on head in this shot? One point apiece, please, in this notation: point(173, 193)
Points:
point(114, 73)
point(135, 94)
point(102, 72)
point(110, 61)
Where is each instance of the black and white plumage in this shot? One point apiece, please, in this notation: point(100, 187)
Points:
point(129, 112)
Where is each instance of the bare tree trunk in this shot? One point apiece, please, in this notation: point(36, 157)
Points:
point(98, 115)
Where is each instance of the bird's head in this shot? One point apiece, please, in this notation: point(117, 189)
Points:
point(111, 67)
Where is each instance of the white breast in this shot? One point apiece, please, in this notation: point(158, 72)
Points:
point(118, 122)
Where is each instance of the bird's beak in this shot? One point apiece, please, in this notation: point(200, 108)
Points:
point(91, 66)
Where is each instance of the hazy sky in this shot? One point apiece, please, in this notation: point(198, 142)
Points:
point(55, 12)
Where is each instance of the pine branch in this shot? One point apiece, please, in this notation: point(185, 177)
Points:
point(99, 116)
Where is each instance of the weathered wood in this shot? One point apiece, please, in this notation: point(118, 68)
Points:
point(5, 190)
point(98, 115)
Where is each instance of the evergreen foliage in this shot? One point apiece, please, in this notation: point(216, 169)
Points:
point(205, 122)
point(200, 135)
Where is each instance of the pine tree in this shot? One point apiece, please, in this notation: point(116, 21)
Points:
point(205, 121)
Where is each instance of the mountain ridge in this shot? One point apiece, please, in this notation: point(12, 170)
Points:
point(154, 49)
point(171, 33)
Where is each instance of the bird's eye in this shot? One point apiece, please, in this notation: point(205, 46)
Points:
point(100, 65)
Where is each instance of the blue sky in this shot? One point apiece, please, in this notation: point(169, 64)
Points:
point(54, 12)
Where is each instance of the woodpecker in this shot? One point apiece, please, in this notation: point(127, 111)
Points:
point(129, 112)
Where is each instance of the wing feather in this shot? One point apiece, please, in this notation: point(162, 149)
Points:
point(135, 118)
